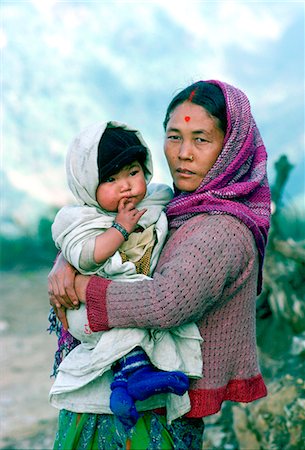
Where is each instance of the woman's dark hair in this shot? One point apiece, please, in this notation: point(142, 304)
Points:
point(204, 94)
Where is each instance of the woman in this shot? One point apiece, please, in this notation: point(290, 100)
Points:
point(210, 269)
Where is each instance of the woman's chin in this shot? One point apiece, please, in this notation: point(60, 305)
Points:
point(186, 185)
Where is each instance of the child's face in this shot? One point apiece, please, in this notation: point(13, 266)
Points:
point(129, 183)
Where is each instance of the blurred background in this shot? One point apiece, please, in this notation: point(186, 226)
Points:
point(66, 64)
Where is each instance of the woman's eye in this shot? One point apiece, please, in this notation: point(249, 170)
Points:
point(200, 140)
point(173, 137)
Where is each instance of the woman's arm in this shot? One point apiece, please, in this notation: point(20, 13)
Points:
point(203, 258)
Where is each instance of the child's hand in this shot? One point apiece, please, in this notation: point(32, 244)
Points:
point(128, 215)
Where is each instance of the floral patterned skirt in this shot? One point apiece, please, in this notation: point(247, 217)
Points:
point(105, 432)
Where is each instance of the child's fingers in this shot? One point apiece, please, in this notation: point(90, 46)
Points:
point(121, 204)
point(125, 203)
point(140, 213)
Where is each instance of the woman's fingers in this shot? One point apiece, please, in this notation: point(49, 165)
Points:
point(57, 290)
point(53, 290)
point(61, 315)
point(61, 284)
point(69, 289)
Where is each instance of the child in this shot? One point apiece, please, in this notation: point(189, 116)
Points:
point(109, 169)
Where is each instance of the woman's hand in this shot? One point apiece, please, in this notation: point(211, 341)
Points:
point(61, 285)
point(66, 288)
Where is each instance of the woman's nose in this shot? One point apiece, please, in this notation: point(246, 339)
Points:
point(186, 150)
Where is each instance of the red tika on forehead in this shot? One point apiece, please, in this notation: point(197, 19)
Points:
point(187, 118)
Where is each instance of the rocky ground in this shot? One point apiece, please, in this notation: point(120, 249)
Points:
point(27, 421)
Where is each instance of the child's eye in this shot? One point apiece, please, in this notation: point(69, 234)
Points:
point(134, 172)
point(109, 180)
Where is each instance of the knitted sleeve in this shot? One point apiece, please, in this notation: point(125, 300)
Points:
point(201, 266)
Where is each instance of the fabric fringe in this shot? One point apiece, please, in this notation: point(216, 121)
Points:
point(66, 342)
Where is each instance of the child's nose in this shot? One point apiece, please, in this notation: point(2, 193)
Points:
point(125, 185)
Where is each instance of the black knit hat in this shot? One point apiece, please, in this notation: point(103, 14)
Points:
point(117, 148)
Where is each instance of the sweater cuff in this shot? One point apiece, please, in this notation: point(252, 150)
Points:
point(96, 303)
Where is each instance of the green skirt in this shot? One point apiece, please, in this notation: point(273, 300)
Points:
point(105, 432)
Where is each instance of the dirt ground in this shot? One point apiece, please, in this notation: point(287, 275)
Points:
point(27, 421)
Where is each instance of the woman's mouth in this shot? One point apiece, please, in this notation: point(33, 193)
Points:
point(185, 172)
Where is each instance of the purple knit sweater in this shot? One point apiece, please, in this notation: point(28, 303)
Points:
point(207, 273)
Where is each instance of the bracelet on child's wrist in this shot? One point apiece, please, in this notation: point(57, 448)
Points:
point(121, 229)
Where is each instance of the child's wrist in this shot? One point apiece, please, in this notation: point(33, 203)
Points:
point(121, 229)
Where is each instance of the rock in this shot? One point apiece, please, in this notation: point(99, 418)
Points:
point(276, 421)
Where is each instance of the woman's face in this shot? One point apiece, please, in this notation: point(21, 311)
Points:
point(193, 142)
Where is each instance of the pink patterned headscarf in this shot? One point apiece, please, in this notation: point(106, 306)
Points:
point(237, 183)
